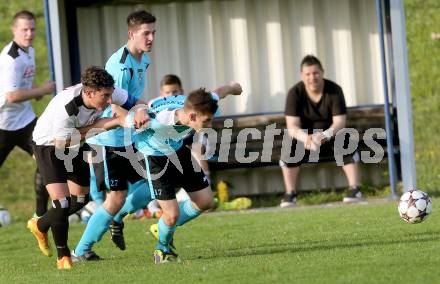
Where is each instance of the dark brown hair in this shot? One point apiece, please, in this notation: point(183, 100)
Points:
point(201, 101)
point(310, 60)
point(138, 18)
point(96, 78)
point(171, 79)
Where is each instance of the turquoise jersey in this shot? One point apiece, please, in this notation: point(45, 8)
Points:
point(161, 139)
point(129, 74)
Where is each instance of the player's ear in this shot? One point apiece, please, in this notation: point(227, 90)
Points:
point(192, 116)
point(87, 92)
point(130, 33)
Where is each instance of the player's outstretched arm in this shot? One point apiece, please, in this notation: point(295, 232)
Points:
point(138, 117)
point(141, 117)
point(22, 95)
point(232, 88)
point(99, 126)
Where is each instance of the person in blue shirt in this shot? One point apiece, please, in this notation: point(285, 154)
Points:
point(128, 66)
point(169, 163)
point(171, 85)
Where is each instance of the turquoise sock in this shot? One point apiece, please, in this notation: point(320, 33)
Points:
point(138, 198)
point(95, 194)
point(165, 235)
point(96, 227)
point(187, 212)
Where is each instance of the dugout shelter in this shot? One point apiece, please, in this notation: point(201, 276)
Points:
point(260, 44)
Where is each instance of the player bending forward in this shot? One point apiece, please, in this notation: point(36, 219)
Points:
point(68, 118)
point(169, 163)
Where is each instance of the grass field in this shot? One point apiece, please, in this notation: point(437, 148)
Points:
point(338, 244)
point(422, 19)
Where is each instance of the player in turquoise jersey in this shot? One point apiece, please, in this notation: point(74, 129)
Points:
point(169, 163)
point(129, 74)
point(128, 67)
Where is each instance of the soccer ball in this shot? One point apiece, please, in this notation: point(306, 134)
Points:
point(414, 206)
point(88, 211)
point(5, 217)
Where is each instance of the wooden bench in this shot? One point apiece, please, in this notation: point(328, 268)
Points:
point(360, 118)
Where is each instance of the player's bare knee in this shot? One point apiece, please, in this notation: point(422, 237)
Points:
point(211, 205)
point(171, 218)
point(206, 204)
point(114, 204)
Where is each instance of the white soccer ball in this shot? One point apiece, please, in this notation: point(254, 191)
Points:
point(88, 211)
point(5, 217)
point(414, 206)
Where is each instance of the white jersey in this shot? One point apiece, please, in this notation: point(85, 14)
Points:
point(66, 112)
point(17, 69)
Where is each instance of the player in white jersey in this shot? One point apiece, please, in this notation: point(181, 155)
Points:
point(59, 134)
point(17, 119)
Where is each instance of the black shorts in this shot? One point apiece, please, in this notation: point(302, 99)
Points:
point(56, 170)
point(327, 150)
point(118, 170)
point(21, 138)
point(166, 177)
point(97, 166)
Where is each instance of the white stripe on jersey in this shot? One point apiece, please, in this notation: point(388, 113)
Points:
point(17, 69)
point(65, 112)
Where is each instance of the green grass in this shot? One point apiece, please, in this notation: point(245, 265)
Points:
point(422, 19)
point(7, 10)
point(339, 244)
point(353, 244)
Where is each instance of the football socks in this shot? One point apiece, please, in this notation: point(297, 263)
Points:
point(187, 212)
point(96, 228)
point(138, 198)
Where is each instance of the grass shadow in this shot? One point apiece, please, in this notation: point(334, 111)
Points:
point(311, 246)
